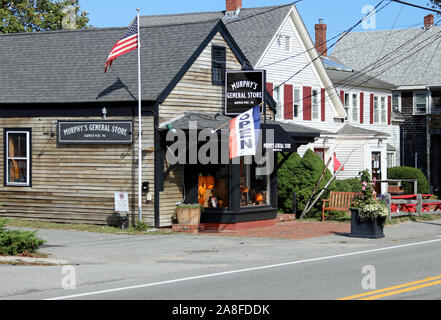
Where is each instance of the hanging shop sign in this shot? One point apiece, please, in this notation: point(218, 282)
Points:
point(95, 132)
point(280, 140)
point(243, 90)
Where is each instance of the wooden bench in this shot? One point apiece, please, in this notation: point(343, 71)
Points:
point(338, 201)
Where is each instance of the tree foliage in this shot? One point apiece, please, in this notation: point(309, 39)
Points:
point(301, 176)
point(41, 15)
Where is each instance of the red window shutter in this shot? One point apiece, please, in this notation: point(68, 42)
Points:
point(371, 110)
point(361, 107)
point(323, 104)
point(342, 97)
point(389, 109)
point(270, 88)
point(288, 101)
point(307, 91)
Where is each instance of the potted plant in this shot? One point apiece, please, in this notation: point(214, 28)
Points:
point(367, 214)
point(188, 213)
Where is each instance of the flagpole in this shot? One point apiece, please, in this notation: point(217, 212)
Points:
point(139, 127)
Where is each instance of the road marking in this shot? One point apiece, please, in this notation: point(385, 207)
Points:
point(242, 270)
point(370, 293)
point(403, 290)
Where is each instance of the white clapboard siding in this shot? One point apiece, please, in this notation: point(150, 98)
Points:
point(281, 65)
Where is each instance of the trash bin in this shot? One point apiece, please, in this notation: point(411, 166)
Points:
point(123, 222)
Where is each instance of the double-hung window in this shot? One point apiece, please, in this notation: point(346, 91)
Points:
point(376, 111)
point(218, 65)
point(297, 102)
point(17, 144)
point(355, 103)
point(420, 103)
point(383, 109)
point(315, 104)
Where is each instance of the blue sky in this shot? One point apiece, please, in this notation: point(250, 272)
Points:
point(339, 15)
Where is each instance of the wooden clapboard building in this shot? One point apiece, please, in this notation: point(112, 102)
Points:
point(70, 131)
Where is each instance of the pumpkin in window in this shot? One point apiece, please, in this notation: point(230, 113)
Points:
point(209, 181)
point(259, 197)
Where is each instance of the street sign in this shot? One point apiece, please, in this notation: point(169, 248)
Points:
point(121, 201)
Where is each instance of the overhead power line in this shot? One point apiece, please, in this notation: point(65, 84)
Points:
point(416, 6)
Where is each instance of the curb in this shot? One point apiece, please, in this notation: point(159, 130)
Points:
point(36, 261)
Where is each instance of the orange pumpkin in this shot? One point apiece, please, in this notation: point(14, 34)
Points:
point(259, 197)
point(209, 180)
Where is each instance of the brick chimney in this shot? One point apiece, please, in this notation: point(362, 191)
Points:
point(428, 21)
point(320, 38)
point(233, 5)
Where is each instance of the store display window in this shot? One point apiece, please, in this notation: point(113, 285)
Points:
point(253, 187)
point(213, 191)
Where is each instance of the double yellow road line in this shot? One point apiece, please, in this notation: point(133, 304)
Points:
point(390, 291)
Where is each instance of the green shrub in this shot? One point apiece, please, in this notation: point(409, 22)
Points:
point(409, 173)
point(141, 226)
point(301, 176)
point(347, 185)
point(13, 242)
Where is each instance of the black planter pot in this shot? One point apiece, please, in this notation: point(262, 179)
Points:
point(367, 228)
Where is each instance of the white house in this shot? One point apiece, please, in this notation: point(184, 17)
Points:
point(275, 39)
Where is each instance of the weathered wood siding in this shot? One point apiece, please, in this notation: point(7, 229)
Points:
point(195, 92)
point(76, 183)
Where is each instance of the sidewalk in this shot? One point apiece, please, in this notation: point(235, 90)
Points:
point(295, 229)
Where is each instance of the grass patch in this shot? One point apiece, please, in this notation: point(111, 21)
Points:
point(132, 230)
point(428, 217)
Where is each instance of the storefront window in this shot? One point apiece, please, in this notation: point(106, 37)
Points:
point(213, 191)
point(253, 187)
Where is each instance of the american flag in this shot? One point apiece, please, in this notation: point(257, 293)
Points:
point(127, 43)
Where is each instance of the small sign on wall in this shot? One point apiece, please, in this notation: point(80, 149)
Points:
point(121, 201)
point(95, 132)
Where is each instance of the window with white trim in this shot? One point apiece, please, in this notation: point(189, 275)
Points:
point(315, 104)
point(390, 159)
point(420, 102)
point(277, 95)
point(396, 101)
point(376, 110)
point(347, 105)
point(355, 108)
point(297, 102)
point(17, 145)
point(383, 109)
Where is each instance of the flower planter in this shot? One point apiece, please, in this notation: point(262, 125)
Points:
point(367, 228)
point(191, 216)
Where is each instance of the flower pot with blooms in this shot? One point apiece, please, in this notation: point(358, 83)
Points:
point(367, 214)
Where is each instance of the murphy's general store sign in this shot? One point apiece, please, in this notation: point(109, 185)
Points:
point(243, 90)
point(100, 132)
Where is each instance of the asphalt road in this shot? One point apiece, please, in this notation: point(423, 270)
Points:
point(406, 264)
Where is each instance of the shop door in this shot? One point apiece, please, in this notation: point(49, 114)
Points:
point(376, 169)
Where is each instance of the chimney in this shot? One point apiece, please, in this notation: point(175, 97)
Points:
point(320, 38)
point(233, 5)
point(428, 21)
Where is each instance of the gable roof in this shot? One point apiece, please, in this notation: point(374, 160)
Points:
point(253, 28)
point(414, 55)
point(350, 78)
point(347, 129)
point(72, 62)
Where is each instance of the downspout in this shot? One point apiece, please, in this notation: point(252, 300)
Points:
point(158, 174)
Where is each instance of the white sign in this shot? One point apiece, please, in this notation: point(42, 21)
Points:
point(121, 202)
